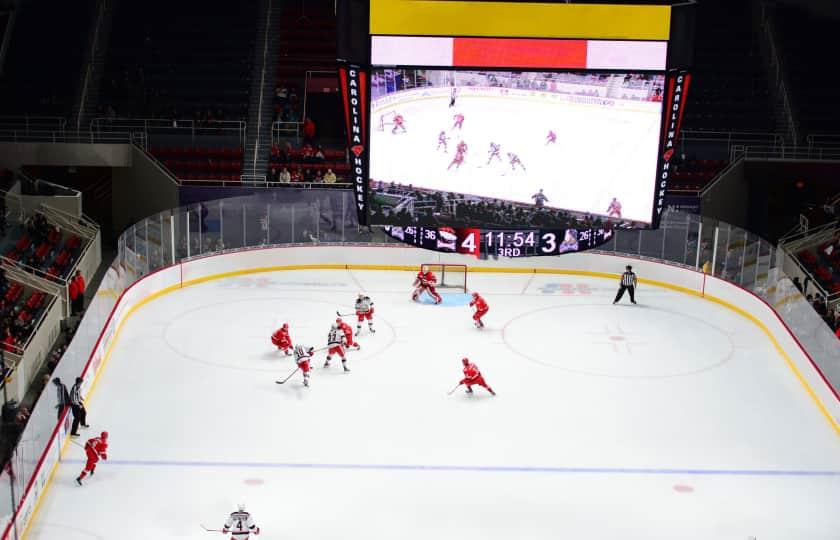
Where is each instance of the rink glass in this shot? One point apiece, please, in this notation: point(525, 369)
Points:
point(329, 216)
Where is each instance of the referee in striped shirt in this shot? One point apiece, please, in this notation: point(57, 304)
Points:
point(628, 283)
point(78, 406)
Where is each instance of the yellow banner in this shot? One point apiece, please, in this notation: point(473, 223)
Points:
point(519, 19)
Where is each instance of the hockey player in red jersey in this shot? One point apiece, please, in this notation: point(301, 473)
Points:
point(473, 377)
point(419, 285)
point(302, 357)
point(431, 281)
point(614, 209)
point(335, 345)
point(442, 138)
point(364, 311)
point(348, 333)
point(551, 138)
point(96, 448)
point(457, 161)
point(281, 339)
point(399, 123)
point(481, 309)
point(459, 121)
point(461, 148)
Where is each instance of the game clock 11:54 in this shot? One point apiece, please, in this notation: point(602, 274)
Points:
point(502, 243)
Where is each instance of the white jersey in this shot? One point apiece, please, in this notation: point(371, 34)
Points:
point(302, 353)
point(241, 524)
point(335, 338)
point(363, 304)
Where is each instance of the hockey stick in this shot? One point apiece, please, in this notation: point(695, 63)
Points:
point(289, 377)
point(212, 530)
point(453, 390)
point(77, 444)
point(344, 314)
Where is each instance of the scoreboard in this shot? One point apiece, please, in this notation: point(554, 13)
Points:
point(501, 243)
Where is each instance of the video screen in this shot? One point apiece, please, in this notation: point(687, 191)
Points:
point(512, 146)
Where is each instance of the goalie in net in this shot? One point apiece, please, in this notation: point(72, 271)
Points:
point(447, 276)
point(393, 121)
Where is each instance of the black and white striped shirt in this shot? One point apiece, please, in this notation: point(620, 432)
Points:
point(628, 279)
point(76, 395)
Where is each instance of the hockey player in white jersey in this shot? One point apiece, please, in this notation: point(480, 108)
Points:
point(364, 310)
point(240, 525)
point(335, 344)
point(303, 355)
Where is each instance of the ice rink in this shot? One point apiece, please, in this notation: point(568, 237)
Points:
point(600, 152)
point(672, 419)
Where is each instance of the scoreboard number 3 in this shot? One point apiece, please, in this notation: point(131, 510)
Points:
point(548, 243)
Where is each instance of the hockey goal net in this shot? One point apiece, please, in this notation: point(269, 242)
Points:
point(386, 119)
point(449, 276)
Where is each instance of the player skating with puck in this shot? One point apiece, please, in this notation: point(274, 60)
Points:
point(473, 377)
point(442, 138)
point(494, 152)
point(481, 309)
point(364, 311)
point(459, 121)
point(348, 333)
point(614, 210)
point(335, 345)
point(96, 448)
point(281, 339)
point(240, 525)
point(303, 356)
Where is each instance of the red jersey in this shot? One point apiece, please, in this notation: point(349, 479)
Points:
point(471, 372)
point(96, 448)
point(461, 148)
point(430, 278)
point(281, 338)
point(398, 120)
point(479, 303)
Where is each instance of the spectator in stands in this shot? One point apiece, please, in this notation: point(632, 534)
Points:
point(308, 131)
point(329, 177)
point(319, 154)
point(63, 396)
point(797, 283)
point(9, 341)
point(319, 178)
point(297, 175)
point(77, 293)
point(285, 176)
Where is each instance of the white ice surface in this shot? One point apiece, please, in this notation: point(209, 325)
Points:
point(601, 412)
point(600, 152)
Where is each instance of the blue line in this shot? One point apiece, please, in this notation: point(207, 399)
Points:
point(473, 468)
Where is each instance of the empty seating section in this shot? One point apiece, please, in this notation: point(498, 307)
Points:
point(45, 55)
point(199, 163)
point(307, 42)
point(809, 50)
point(20, 308)
point(730, 89)
point(693, 175)
point(184, 59)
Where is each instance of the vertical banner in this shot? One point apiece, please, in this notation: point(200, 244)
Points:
point(354, 92)
point(673, 108)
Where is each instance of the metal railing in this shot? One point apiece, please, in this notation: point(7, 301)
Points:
point(38, 123)
point(786, 153)
point(44, 136)
point(173, 126)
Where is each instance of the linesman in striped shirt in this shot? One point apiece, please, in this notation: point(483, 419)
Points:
point(628, 283)
point(78, 406)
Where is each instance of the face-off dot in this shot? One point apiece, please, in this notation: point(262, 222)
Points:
point(254, 481)
point(682, 488)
